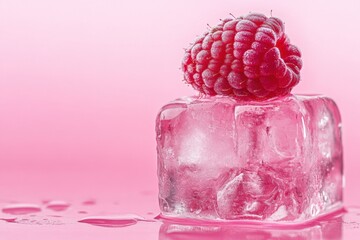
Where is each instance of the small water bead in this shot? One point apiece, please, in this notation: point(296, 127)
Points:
point(89, 202)
point(58, 205)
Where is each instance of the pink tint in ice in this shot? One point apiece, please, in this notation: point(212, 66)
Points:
point(274, 161)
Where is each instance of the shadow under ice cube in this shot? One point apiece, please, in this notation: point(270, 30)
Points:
point(276, 161)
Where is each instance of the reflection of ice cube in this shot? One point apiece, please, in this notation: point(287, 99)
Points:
point(278, 160)
point(329, 228)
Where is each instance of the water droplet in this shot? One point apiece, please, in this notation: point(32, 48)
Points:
point(45, 201)
point(58, 205)
point(20, 209)
point(113, 221)
point(89, 202)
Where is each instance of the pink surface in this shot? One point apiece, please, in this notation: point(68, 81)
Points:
point(82, 81)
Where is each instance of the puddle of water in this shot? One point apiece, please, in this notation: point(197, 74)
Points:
point(21, 209)
point(113, 220)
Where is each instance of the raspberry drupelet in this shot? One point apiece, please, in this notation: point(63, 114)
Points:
point(247, 57)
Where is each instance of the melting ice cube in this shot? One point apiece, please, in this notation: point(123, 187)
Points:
point(277, 160)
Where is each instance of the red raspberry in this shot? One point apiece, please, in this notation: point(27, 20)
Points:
point(248, 57)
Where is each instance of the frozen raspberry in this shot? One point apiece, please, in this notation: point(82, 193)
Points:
point(248, 57)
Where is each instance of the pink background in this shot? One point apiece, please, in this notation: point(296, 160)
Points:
point(81, 82)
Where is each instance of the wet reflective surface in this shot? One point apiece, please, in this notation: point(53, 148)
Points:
point(100, 206)
point(57, 219)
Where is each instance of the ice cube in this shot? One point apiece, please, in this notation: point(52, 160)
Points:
point(277, 161)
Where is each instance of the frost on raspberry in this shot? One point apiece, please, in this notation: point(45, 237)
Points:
point(248, 57)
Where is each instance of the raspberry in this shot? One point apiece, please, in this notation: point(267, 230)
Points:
point(248, 57)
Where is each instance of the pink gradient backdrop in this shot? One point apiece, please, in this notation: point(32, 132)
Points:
point(81, 82)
